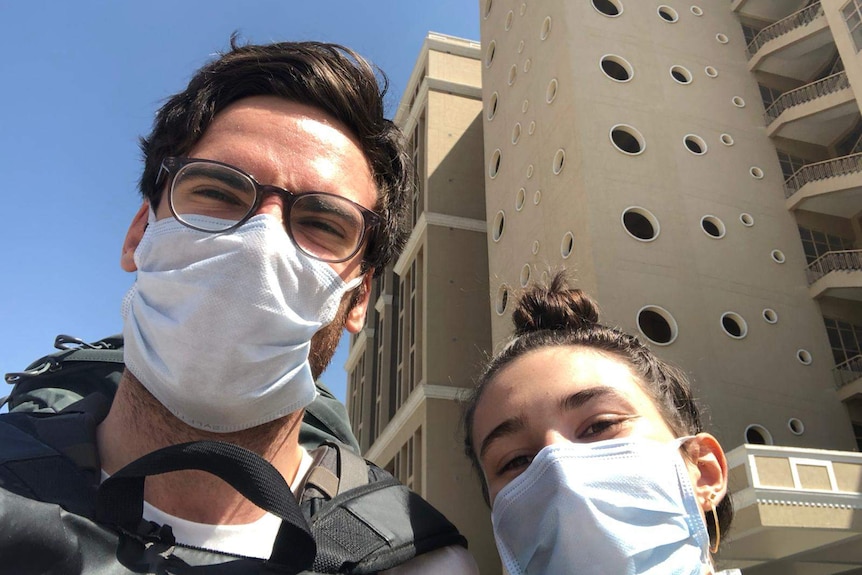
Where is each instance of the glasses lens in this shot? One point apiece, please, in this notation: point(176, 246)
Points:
point(206, 189)
point(327, 227)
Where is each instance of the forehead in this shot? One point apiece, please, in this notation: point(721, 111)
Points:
point(533, 385)
point(290, 145)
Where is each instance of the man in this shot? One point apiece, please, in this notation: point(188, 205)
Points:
point(274, 190)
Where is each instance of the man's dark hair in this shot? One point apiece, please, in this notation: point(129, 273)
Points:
point(329, 77)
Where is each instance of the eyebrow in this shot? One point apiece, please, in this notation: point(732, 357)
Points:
point(568, 403)
point(508, 427)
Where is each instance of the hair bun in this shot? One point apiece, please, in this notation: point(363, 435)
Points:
point(554, 307)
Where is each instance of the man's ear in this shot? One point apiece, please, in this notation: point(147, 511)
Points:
point(708, 469)
point(356, 315)
point(133, 238)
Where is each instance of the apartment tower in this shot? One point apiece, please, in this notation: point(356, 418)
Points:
point(429, 330)
point(695, 168)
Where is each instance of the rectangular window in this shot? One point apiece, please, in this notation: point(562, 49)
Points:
point(815, 243)
point(844, 338)
point(789, 164)
point(852, 13)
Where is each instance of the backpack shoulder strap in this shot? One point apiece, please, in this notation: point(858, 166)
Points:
point(364, 520)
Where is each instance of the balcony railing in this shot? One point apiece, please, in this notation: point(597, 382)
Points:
point(806, 93)
point(783, 26)
point(842, 166)
point(847, 260)
point(848, 371)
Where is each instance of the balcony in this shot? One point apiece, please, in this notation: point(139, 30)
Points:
point(817, 113)
point(798, 511)
point(798, 46)
point(848, 378)
point(836, 274)
point(832, 187)
point(765, 10)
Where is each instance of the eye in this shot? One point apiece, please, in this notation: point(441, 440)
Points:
point(517, 464)
point(212, 194)
point(606, 428)
point(320, 225)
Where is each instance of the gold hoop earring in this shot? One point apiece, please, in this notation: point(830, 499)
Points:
point(714, 548)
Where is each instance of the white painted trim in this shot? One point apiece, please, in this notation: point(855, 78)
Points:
point(407, 410)
point(457, 222)
point(382, 301)
point(357, 349)
point(414, 242)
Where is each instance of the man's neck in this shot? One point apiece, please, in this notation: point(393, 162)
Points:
point(138, 424)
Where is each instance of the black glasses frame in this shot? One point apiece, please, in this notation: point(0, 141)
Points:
point(172, 165)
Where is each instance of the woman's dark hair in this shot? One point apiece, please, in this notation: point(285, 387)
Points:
point(329, 77)
point(557, 315)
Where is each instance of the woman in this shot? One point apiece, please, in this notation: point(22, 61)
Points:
point(591, 449)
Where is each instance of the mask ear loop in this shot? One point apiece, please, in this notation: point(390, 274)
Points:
point(714, 548)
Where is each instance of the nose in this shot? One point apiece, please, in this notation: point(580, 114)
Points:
point(554, 437)
point(272, 204)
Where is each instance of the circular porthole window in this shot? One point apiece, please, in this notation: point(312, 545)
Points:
point(528, 63)
point(535, 247)
point(627, 139)
point(531, 128)
point(668, 14)
point(499, 226)
point(492, 106)
point(640, 223)
point(733, 325)
point(695, 144)
point(757, 435)
point(559, 161)
point(610, 8)
point(795, 425)
point(680, 74)
point(567, 245)
point(488, 5)
point(804, 356)
point(738, 102)
point(746, 219)
point(520, 46)
point(513, 74)
point(756, 173)
point(697, 10)
point(529, 171)
point(516, 133)
point(537, 197)
point(712, 226)
point(490, 53)
point(520, 198)
point(526, 272)
point(711, 71)
point(525, 106)
point(523, 9)
point(616, 68)
point(551, 91)
point(726, 139)
point(510, 16)
point(494, 166)
point(657, 325)
point(501, 302)
point(722, 38)
point(544, 278)
point(778, 256)
point(770, 315)
point(546, 29)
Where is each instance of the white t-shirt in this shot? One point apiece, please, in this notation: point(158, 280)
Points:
point(256, 539)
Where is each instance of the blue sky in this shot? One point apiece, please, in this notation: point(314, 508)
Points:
point(81, 81)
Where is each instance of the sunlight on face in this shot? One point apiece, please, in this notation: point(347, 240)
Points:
point(558, 394)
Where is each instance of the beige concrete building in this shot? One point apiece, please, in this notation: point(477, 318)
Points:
point(697, 167)
point(428, 333)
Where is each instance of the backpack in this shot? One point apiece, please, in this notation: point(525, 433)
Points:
point(352, 516)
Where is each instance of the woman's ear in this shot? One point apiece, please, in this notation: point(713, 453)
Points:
point(707, 467)
point(133, 238)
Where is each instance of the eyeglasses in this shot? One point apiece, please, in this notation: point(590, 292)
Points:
point(324, 226)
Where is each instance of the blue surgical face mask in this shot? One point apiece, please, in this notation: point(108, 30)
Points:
point(620, 507)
